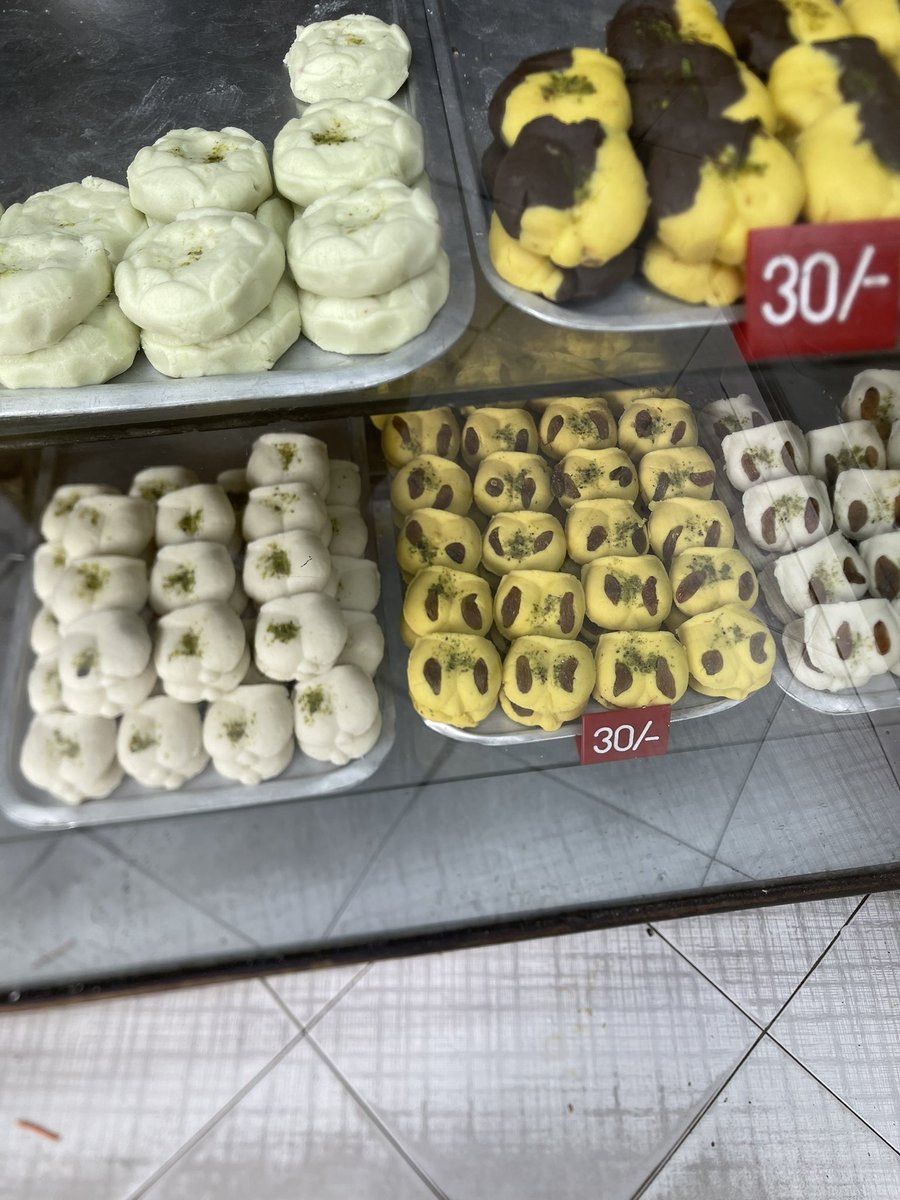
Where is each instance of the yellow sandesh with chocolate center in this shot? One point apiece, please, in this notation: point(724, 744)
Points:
point(641, 28)
point(730, 652)
point(453, 678)
point(656, 423)
point(665, 474)
point(508, 480)
point(598, 528)
point(404, 436)
point(714, 284)
point(546, 681)
point(761, 30)
point(443, 600)
point(704, 579)
point(547, 603)
point(489, 430)
point(428, 481)
point(432, 537)
point(523, 541)
point(635, 670)
point(627, 593)
point(878, 19)
point(682, 524)
point(576, 423)
point(594, 475)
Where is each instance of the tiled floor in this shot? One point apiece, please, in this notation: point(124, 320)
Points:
point(752, 1055)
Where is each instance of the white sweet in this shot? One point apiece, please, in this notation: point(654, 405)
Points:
point(201, 651)
point(768, 452)
point(109, 525)
point(44, 633)
point(803, 669)
point(153, 482)
point(346, 143)
point(191, 573)
point(286, 564)
point(63, 500)
point(49, 282)
point(160, 743)
point(98, 583)
point(278, 215)
point(71, 756)
point(101, 347)
point(893, 446)
point(199, 168)
point(105, 663)
point(44, 694)
point(364, 241)
point(365, 642)
point(94, 206)
point(873, 395)
point(297, 636)
point(881, 555)
point(278, 507)
point(858, 640)
point(47, 567)
point(345, 483)
point(826, 572)
point(249, 733)
point(201, 277)
point(866, 502)
point(786, 514)
point(359, 582)
point(337, 716)
point(354, 56)
point(238, 600)
point(839, 448)
point(349, 532)
point(199, 513)
point(233, 481)
point(289, 458)
point(256, 346)
point(721, 417)
point(376, 324)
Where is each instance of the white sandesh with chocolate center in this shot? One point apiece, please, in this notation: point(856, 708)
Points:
point(543, 603)
point(299, 636)
point(337, 715)
point(874, 396)
point(199, 513)
point(488, 430)
point(97, 583)
point(838, 448)
point(638, 669)
point(731, 414)
point(289, 458)
point(191, 573)
point(546, 681)
point(655, 423)
point(786, 514)
point(278, 507)
point(201, 651)
point(881, 555)
point(867, 503)
point(109, 525)
point(55, 516)
point(354, 56)
point(96, 207)
point(73, 757)
point(801, 666)
point(828, 571)
point(160, 743)
point(627, 593)
point(249, 733)
point(706, 578)
point(768, 452)
point(855, 640)
point(287, 564)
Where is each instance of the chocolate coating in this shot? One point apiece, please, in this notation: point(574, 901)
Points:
point(689, 81)
point(638, 31)
point(673, 163)
point(867, 79)
point(550, 60)
point(760, 30)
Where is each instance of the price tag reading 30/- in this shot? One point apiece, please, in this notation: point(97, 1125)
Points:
point(822, 289)
point(628, 733)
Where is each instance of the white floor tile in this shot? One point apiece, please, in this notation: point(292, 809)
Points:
point(558, 1068)
point(124, 1083)
point(759, 956)
point(844, 1022)
point(305, 993)
point(776, 1134)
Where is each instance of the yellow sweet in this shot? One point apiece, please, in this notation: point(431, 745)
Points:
point(454, 678)
point(548, 603)
point(665, 474)
point(656, 423)
point(488, 430)
point(712, 283)
point(508, 480)
point(432, 537)
point(405, 436)
point(635, 670)
point(594, 475)
point(431, 482)
point(442, 600)
point(576, 423)
point(598, 528)
point(546, 681)
point(627, 593)
point(705, 579)
point(523, 541)
point(730, 652)
point(680, 524)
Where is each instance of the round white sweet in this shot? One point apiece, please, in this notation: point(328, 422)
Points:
point(841, 639)
point(376, 324)
point(233, 481)
point(71, 756)
point(354, 56)
point(48, 284)
point(781, 508)
point(105, 663)
point(95, 206)
point(297, 636)
point(201, 277)
point(256, 346)
point(47, 567)
point(346, 143)
point(731, 414)
point(98, 583)
point(44, 694)
point(101, 347)
point(191, 573)
point(199, 513)
point(249, 733)
point(160, 743)
point(877, 492)
point(153, 482)
point(238, 600)
point(873, 387)
point(365, 642)
point(765, 452)
point(201, 651)
point(277, 214)
point(852, 444)
point(109, 525)
point(344, 482)
point(337, 716)
point(199, 168)
point(63, 500)
point(802, 667)
point(286, 564)
point(349, 532)
point(365, 241)
point(359, 582)
point(44, 633)
point(816, 574)
point(893, 446)
point(278, 507)
point(289, 458)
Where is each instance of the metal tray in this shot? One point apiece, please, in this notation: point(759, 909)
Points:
point(129, 73)
point(207, 453)
point(476, 44)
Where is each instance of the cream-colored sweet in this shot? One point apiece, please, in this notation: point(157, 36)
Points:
point(837, 448)
point(364, 647)
point(881, 556)
point(289, 458)
point(190, 573)
point(249, 733)
point(199, 513)
point(828, 571)
point(201, 651)
point(44, 690)
point(233, 481)
point(96, 207)
point(278, 507)
point(71, 756)
point(105, 663)
point(355, 56)
point(56, 515)
point(349, 532)
point(201, 277)
point(160, 743)
point(256, 346)
point(491, 429)
point(656, 423)
point(855, 640)
point(153, 482)
point(298, 636)
point(97, 583)
point(874, 395)
point(406, 435)
point(767, 452)
point(785, 514)
point(866, 502)
point(344, 482)
point(801, 666)
point(730, 414)
point(377, 324)
point(49, 282)
point(98, 349)
point(286, 564)
point(109, 525)
point(337, 715)
point(277, 214)
point(358, 582)
point(429, 481)
point(199, 168)
point(346, 143)
point(47, 567)
point(43, 636)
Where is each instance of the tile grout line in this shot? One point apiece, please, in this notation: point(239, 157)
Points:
point(326, 1008)
point(712, 983)
point(23, 875)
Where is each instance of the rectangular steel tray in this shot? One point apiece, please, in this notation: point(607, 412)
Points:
point(476, 44)
point(130, 73)
point(207, 453)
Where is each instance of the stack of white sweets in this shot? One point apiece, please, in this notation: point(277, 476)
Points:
point(181, 678)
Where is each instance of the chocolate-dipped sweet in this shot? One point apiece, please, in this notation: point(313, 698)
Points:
point(641, 28)
point(763, 29)
point(810, 80)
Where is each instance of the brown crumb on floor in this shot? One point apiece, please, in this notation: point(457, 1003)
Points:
point(40, 1130)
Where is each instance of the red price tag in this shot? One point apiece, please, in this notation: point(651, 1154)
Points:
point(627, 733)
point(822, 289)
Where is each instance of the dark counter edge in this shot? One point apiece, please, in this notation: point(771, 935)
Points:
point(797, 890)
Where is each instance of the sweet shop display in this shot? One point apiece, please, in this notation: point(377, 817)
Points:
point(351, 57)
